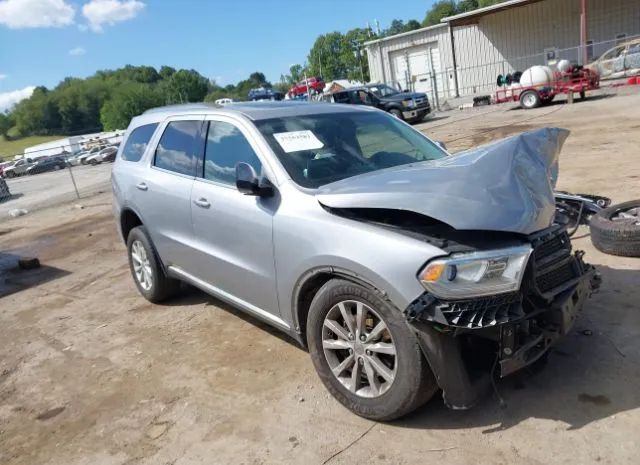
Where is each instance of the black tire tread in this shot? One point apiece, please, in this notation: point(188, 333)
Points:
point(615, 238)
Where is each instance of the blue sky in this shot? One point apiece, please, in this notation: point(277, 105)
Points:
point(43, 41)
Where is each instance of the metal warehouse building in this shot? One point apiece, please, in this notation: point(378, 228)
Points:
point(464, 55)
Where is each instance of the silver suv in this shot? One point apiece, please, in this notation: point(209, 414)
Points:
point(403, 270)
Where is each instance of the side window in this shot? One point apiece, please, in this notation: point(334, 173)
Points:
point(137, 142)
point(341, 97)
point(177, 148)
point(226, 147)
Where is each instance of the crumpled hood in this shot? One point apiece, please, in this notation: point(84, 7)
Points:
point(503, 186)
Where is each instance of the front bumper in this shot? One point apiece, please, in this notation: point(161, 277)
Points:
point(416, 113)
point(468, 341)
point(522, 343)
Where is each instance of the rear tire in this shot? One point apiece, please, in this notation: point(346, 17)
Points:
point(146, 270)
point(10, 175)
point(616, 237)
point(530, 99)
point(412, 383)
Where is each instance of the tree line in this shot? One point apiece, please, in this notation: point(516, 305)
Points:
point(110, 98)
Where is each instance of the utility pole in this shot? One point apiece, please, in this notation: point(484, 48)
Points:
point(583, 32)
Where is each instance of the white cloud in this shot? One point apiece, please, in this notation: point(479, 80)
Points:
point(3, 76)
point(19, 14)
point(109, 12)
point(9, 99)
point(77, 51)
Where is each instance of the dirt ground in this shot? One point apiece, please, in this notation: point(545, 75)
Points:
point(90, 373)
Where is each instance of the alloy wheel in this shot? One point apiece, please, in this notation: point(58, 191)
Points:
point(141, 265)
point(359, 349)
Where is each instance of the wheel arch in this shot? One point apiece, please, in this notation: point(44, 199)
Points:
point(129, 219)
point(310, 283)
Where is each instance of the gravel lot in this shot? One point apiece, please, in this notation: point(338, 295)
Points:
point(90, 373)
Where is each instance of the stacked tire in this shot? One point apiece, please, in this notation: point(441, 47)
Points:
point(616, 230)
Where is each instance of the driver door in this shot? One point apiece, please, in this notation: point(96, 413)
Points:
point(233, 231)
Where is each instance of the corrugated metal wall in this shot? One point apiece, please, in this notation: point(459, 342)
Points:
point(437, 36)
point(514, 39)
point(517, 38)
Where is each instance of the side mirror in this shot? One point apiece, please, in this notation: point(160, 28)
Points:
point(248, 183)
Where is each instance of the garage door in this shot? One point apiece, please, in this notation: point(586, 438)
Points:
point(412, 69)
point(419, 68)
point(400, 69)
point(435, 59)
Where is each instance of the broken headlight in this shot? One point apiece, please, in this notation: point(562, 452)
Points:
point(476, 274)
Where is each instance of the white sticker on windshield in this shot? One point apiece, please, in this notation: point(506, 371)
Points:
point(296, 141)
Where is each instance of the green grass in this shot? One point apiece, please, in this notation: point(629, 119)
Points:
point(9, 148)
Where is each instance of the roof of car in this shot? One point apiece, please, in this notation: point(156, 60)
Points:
point(252, 110)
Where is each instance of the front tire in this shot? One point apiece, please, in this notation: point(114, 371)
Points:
point(365, 353)
point(397, 113)
point(145, 267)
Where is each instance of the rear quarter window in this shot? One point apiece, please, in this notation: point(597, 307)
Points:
point(137, 142)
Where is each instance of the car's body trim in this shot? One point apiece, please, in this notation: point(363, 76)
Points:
point(236, 301)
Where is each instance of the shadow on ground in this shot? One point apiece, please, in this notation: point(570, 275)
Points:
point(190, 295)
point(589, 375)
point(14, 279)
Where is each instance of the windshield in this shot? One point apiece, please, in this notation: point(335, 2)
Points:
point(321, 149)
point(383, 91)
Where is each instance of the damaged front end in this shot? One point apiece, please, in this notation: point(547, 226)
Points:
point(467, 341)
point(505, 284)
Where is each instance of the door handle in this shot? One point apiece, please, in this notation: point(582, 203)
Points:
point(142, 186)
point(202, 202)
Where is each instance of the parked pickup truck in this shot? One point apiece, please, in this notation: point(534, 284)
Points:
point(409, 106)
point(18, 168)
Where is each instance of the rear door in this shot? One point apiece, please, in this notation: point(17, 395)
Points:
point(162, 191)
point(234, 231)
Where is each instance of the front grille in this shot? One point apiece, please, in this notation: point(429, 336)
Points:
point(556, 277)
point(552, 246)
point(483, 312)
point(553, 265)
